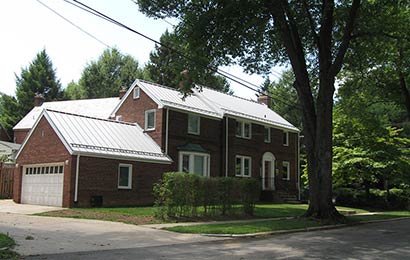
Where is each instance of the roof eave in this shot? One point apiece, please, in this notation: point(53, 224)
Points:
point(166, 160)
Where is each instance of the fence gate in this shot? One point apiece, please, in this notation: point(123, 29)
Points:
point(6, 180)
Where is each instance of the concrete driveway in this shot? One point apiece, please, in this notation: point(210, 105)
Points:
point(50, 235)
point(8, 206)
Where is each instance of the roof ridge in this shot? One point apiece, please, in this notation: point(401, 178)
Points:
point(90, 117)
point(73, 100)
point(158, 85)
point(220, 91)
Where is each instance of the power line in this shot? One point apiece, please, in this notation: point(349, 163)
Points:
point(225, 74)
point(73, 24)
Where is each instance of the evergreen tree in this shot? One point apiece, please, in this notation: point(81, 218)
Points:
point(9, 112)
point(40, 77)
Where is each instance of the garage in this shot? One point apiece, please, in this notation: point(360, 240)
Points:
point(43, 184)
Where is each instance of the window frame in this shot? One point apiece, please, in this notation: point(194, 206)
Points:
point(242, 159)
point(269, 135)
point(129, 186)
point(198, 124)
point(285, 138)
point(146, 119)
point(192, 155)
point(133, 93)
point(242, 124)
point(287, 163)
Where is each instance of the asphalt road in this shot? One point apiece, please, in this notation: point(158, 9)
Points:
point(386, 240)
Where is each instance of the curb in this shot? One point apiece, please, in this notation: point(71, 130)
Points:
point(279, 232)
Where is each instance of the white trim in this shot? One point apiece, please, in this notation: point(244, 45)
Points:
point(146, 119)
point(166, 160)
point(134, 96)
point(269, 135)
point(242, 125)
point(287, 138)
point(190, 115)
point(191, 155)
point(243, 158)
point(287, 164)
point(118, 118)
point(298, 167)
point(129, 166)
point(262, 122)
point(166, 131)
point(268, 157)
point(77, 173)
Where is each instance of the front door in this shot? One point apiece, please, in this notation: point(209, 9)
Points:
point(268, 171)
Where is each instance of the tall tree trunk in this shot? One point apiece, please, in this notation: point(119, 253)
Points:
point(405, 93)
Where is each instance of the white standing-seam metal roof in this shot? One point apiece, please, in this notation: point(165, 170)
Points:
point(95, 137)
point(99, 108)
point(211, 103)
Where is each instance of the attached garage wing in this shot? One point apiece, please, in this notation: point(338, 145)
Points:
point(43, 184)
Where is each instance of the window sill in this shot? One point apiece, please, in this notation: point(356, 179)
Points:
point(124, 188)
point(149, 130)
point(283, 179)
point(196, 134)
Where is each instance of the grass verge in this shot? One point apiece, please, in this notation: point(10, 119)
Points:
point(6, 244)
point(276, 225)
point(145, 215)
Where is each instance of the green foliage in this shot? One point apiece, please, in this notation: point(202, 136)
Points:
point(183, 194)
point(166, 66)
point(39, 78)
point(9, 112)
point(106, 76)
point(74, 91)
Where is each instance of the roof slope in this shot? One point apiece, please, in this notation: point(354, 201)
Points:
point(103, 138)
point(99, 108)
point(12, 146)
point(213, 103)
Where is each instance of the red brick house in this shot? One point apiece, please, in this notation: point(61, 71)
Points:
point(208, 133)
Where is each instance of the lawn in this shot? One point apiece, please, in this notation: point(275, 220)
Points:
point(145, 215)
point(6, 243)
point(276, 225)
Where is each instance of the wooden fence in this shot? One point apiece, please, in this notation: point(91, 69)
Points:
point(6, 180)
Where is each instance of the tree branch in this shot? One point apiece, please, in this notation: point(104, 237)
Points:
point(347, 35)
point(312, 23)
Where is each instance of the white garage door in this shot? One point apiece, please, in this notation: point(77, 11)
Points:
point(43, 185)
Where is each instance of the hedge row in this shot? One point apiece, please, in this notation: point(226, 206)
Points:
point(395, 199)
point(188, 195)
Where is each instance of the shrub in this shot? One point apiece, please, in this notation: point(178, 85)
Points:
point(188, 195)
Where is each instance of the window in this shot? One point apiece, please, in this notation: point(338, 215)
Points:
point(51, 169)
point(197, 163)
point(286, 171)
point(243, 166)
point(150, 119)
point(124, 176)
point(118, 118)
point(194, 123)
point(285, 138)
point(267, 134)
point(243, 129)
point(136, 93)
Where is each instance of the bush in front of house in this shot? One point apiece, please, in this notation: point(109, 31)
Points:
point(184, 195)
point(394, 199)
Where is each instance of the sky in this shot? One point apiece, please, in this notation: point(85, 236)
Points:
point(26, 27)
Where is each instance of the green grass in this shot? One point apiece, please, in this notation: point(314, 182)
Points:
point(7, 243)
point(382, 215)
point(245, 228)
point(135, 211)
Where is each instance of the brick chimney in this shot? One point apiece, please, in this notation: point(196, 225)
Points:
point(38, 100)
point(122, 92)
point(264, 99)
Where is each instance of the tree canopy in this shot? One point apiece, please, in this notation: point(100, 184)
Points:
point(39, 78)
point(106, 76)
point(165, 65)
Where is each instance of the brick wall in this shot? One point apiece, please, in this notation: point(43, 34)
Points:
point(44, 146)
point(20, 134)
point(99, 177)
point(133, 110)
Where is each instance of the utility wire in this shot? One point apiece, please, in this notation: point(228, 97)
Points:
point(73, 24)
point(225, 74)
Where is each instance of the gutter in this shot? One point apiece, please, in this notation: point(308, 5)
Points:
point(77, 172)
point(226, 146)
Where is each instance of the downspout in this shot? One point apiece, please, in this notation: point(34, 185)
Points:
point(166, 132)
point(226, 147)
point(77, 172)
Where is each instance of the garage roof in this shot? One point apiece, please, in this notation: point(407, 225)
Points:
point(96, 137)
point(100, 108)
